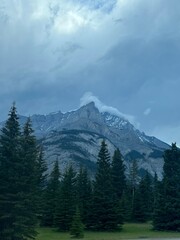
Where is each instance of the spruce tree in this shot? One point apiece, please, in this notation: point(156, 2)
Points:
point(155, 191)
point(42, 182)
point(51, 197)
point(41, 169)
point(167, 209)
point(118, 174)
point(126, 204)
point(29, 181)
point(18, 180)
point(143, 200)
point(77, 228)
point(118, 183)
point(130, 193)
point(133, 184)
point(104, 214)
point(84, 195)
point(9, 164)
point(148, 196)
point(67, 200)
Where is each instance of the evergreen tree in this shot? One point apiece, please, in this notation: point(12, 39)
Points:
point(159, 214)
point(41, 169)
point(104, 214)
point(155, 191)
point(42, 182)
point(144, 200)
point(18, 180)
point(51, 197)
point(130, 193)
point(118, 183)
point(133, 184)
point(29, 180)
point(84, 195)
point(77, 226)
point(118, 174)
point(9, 162)
point(167, 209)
point(67, 201)
point(126, 204)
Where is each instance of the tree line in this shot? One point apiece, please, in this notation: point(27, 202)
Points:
point(71, 200)
point(21, 179)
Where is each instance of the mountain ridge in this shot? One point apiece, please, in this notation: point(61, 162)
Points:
point(75, 137)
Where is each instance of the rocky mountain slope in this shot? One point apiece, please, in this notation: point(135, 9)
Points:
point(76, 137)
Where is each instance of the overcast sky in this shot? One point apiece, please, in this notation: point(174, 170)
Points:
point(122, 53)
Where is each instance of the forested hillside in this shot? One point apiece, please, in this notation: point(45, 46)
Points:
point(70, 200)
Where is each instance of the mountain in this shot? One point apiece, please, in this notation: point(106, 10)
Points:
point(76, 137)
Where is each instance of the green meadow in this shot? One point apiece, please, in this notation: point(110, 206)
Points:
point(130, 231)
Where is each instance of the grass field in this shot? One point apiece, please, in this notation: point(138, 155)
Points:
point(130, 231)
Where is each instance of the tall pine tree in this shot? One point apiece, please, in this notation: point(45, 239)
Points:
point(67, 200)
point(18, 180)
point(77, 226)
point(51, 197)
point(118, 183)
point(84, 195)
point(27, 211)
point(104, 214)
point(143, 205)
point(167, 209)
point(42, 183)
point(118, 174)
point(9, 164)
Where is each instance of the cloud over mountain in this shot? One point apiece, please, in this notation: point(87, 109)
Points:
point(124, 51)
point(89, 97)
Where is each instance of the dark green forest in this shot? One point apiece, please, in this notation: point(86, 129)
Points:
point(71, 200)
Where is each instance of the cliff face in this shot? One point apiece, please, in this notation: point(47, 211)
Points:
point(76, 137)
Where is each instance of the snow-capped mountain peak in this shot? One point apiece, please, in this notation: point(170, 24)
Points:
point(76, 136)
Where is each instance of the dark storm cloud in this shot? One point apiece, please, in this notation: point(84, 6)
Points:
point(126, 52)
